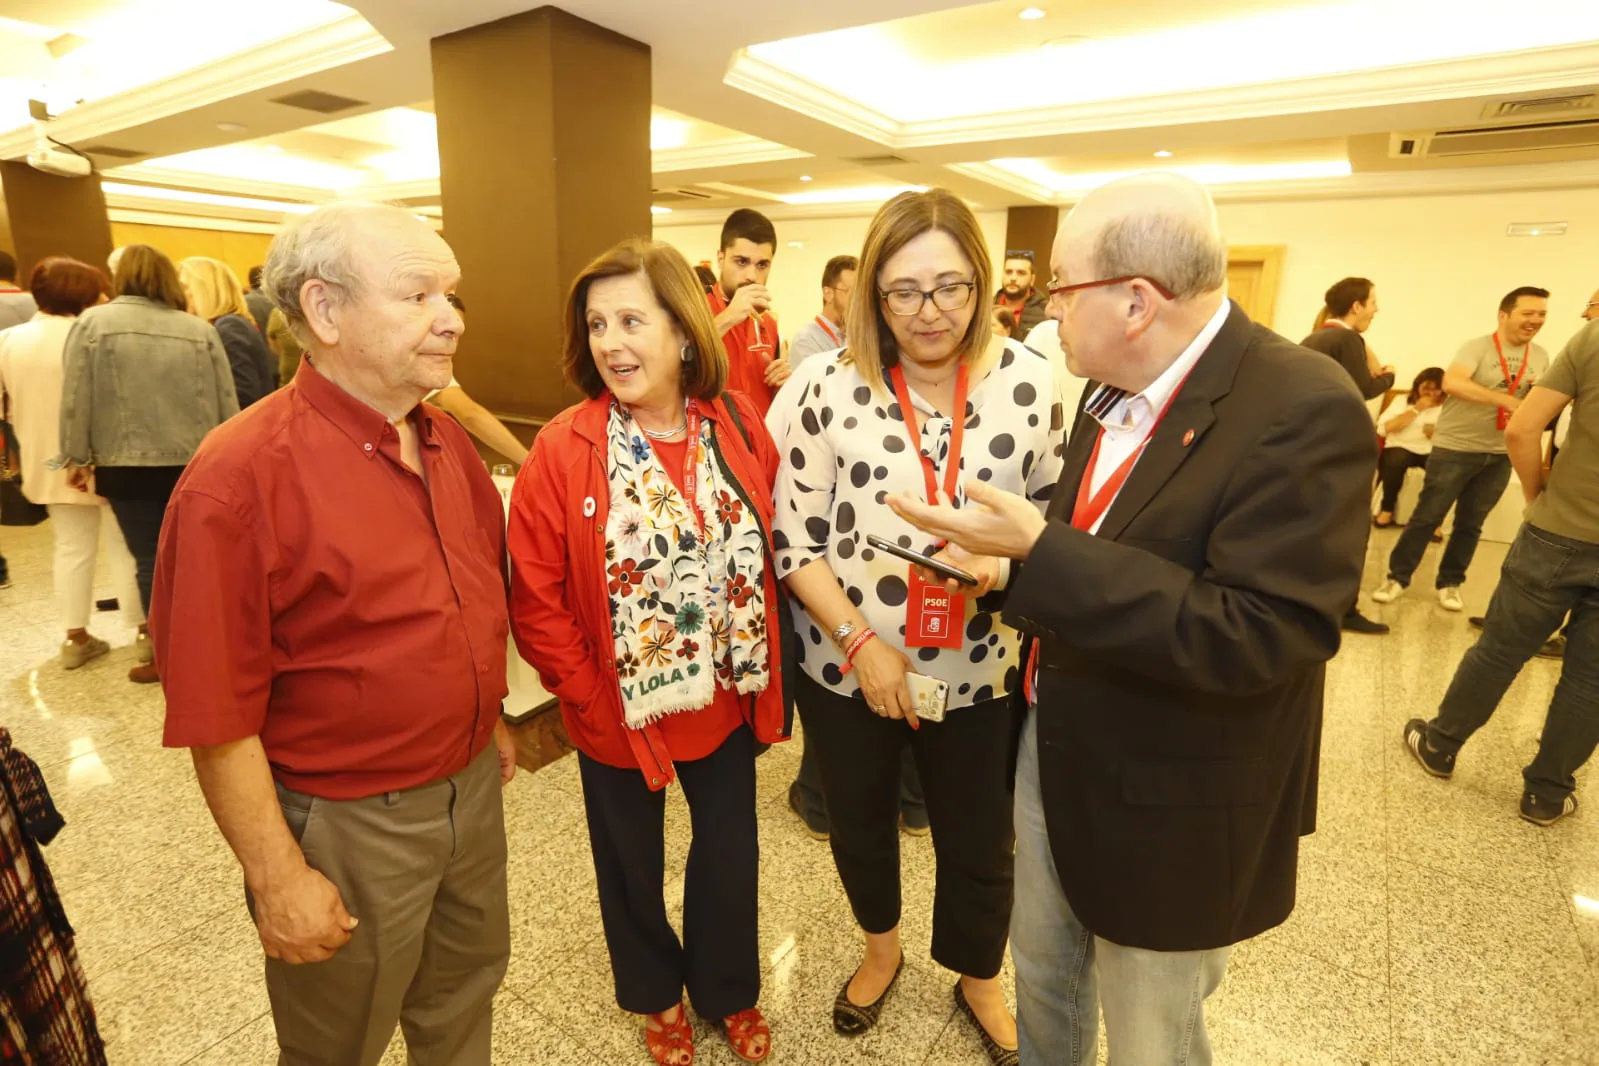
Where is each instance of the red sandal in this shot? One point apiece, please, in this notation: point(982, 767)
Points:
point(744, 1029)
point(667, 1043)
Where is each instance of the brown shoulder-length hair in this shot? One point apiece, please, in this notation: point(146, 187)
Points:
point(872, 348)
point(63, 286)
point(147, 272)
point(680, 295)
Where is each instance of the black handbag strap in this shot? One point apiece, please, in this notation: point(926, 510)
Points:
point(738, 421)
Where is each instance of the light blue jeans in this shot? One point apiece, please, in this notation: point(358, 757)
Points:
point(1154, 1001)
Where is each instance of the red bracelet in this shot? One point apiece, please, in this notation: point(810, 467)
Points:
point(854, 646)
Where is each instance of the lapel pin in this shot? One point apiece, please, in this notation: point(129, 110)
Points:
point(1188, 438)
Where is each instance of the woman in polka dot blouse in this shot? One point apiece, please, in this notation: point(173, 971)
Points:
point(920, 336)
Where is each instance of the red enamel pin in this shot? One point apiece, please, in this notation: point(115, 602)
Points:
point(1188, 438)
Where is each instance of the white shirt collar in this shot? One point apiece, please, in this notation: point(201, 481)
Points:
point(1114, 409)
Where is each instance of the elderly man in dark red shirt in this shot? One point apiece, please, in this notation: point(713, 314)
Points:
point(329, 618)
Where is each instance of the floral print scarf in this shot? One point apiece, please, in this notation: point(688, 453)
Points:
point(688, 607)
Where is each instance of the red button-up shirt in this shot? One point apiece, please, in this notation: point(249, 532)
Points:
point(750, 349)
point(312, 590)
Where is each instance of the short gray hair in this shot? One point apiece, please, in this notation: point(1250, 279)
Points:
point(1180, 252)
point(316, 246)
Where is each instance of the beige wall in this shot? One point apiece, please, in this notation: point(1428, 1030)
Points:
point(241, 251)
point(1441, 264)
point(796, 280)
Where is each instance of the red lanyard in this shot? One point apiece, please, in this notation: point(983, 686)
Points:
point(820, 321)
point(1091, 506)
point(1505, 366)
point(957, 436)
point(691, 467)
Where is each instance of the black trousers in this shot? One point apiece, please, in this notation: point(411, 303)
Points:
point(964, 762)
point(718, 959)
point(138, 496)
point(1392, 465)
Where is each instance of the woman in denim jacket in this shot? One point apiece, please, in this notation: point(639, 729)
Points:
point(145, 382)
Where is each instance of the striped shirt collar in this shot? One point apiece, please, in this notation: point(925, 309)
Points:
point(1117, 410)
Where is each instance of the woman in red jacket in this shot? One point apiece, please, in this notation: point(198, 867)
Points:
point(643, 592)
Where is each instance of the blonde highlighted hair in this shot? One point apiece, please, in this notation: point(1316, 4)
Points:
point(872, 348)
point(212, 287)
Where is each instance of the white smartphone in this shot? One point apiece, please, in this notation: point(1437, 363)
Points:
point(929, 696)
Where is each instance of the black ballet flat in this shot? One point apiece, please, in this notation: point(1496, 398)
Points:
point(999, 1056)
point(852, 1019)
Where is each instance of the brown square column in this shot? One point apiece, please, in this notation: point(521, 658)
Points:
point(49, 215)
point(1032, 229)
point(544, 153)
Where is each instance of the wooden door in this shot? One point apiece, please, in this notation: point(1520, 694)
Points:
point(1252, 275)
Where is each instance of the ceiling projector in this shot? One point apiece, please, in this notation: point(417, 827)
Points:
point(46, 156)
point(61, 164)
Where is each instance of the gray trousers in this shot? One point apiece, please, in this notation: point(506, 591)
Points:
point(1545, 578)
point(424, 871)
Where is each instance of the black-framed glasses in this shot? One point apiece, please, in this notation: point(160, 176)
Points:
point(907, 302)
point(1056, 290)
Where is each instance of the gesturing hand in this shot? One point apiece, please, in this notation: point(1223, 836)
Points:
point(1001, 523)
point(302, 918)
point(880, 669)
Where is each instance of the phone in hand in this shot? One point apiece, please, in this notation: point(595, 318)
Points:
point(937, 566)
point(929, 696)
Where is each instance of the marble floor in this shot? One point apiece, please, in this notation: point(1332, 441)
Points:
point(1433, 926)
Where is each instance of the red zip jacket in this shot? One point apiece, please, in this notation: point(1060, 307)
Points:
point(560, 610)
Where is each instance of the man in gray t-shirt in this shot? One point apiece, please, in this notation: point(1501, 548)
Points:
point(1468, 469)
point(1551, 569)
point(16, 306)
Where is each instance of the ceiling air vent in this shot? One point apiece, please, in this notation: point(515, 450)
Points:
point(1528, 137)
point(1543, 105)
point(320, 102)
point(113, 153)
point(1495, 140)
point(678, 196)
point(878, 161)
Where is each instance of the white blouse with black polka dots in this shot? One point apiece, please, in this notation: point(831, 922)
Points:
point(845, 448)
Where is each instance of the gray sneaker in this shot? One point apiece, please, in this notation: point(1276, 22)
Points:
point(74, 655)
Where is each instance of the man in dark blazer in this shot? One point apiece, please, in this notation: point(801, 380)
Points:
point(1184, 592)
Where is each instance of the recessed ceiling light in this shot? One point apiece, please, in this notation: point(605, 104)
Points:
point(805, 177)
point(657, 209)
point(232, 127)
point(271, 148)
point(1031, 13)
point(1163, 154)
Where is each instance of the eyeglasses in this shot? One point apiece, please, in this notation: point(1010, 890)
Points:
point(907, 302)
point(1061, 290)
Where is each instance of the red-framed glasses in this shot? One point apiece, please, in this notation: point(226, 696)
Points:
point(1062, 290)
